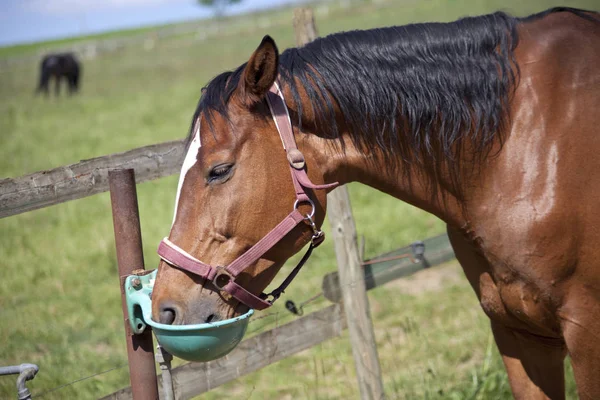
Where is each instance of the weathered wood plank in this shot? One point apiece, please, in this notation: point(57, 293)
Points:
point(86, 178)
point(354, 295)
point(437, 251)
point(253, 354)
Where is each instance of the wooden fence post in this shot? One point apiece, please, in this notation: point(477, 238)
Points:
point(352, 283)
point(354, 295)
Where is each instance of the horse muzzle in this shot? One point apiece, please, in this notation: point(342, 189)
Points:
point(197, 342)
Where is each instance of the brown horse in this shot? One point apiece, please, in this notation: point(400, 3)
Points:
point(491, 123)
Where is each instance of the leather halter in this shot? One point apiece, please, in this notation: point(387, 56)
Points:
point(223, 278)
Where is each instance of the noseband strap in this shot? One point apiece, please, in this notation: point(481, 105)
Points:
point(223, 278)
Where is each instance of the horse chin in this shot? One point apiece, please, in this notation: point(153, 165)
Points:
point(238, 310)
point(229, 310)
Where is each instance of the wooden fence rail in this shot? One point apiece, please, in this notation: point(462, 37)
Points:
point(88, 177)
point(387, 267)
point(253, 354)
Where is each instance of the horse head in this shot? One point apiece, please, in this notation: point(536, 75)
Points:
point(235, 189)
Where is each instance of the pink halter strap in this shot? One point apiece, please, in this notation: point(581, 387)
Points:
point(223, 278)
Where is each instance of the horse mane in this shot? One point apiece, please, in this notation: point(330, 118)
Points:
point(418, 93)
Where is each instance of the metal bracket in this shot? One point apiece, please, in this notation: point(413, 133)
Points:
point(26, 373)
point(138, 289)
point(418, 250)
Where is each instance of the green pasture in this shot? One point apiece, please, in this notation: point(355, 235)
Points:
point(59, 296)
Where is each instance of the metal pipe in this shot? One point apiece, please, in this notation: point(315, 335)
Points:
point(128, 242)
point(27, 374)
point(164, 359)
point(12, 370)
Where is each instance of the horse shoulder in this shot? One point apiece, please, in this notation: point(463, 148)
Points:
point(533, 211)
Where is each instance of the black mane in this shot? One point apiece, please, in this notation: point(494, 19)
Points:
point(416, 93)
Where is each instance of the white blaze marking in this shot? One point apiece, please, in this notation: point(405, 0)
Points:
point(188, 163)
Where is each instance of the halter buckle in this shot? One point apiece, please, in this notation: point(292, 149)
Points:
point(222, 278)
point(270, 297)
point(296, 159)
point(318, 235)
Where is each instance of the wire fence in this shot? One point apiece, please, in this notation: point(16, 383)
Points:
point(85, 378)
point(276, 315)
point(274, 319)
point(266, 322)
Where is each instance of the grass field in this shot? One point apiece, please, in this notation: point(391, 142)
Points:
point(59, 299)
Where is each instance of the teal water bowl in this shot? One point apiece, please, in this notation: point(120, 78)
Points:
point(199, 342)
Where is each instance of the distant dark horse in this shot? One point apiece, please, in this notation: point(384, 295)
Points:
point(59, 66)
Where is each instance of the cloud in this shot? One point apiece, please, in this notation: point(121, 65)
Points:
point(79, 6)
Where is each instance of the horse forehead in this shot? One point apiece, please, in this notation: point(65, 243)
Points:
point(221, 132)
point(214, 130)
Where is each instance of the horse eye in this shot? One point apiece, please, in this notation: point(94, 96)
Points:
point(219, 172)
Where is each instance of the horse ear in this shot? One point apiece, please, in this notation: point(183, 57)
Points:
point(260, 71)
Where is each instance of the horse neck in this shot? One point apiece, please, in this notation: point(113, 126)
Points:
point(339, 160)
point(418, 187)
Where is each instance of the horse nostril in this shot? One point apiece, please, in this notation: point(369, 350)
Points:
point(167, 315)
point(212, 318)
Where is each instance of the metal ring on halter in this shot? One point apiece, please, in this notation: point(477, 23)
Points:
point(222, 278)
point(312, 212)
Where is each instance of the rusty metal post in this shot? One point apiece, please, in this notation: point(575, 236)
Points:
point(128, 241)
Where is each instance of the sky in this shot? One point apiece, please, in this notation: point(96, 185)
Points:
point(26, 21)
